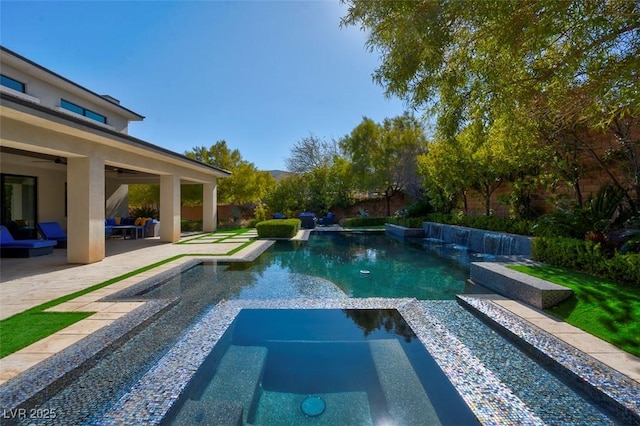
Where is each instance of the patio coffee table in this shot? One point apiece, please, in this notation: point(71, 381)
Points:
point(133, 231)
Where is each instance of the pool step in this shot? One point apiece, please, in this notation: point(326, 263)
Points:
point(219, 413)
point(238, 377)
point(341, 408)
point(407, 400)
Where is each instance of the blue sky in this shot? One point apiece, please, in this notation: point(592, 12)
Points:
point(259, 74)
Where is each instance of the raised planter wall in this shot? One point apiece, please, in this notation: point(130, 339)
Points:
point(478, 240)
point(402, 232)
point(516, 285)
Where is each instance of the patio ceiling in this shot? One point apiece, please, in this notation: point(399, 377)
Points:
point(49, 161)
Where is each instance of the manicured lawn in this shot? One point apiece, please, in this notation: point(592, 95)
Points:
point(21, 330)
point(607, 310)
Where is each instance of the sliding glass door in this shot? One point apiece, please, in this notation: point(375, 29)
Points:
point(19, 209)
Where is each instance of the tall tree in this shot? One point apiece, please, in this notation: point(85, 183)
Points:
point(454, 57)
point(578, 58)
point(310, 153)
point(383, 156)
point(246, 184)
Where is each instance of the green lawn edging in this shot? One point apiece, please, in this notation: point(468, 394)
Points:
point(602, 308)
point(27, 327)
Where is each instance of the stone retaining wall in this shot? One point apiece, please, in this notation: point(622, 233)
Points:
point(516, 285)
point(479, 240)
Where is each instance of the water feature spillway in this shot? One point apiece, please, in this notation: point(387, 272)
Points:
point(478, 240)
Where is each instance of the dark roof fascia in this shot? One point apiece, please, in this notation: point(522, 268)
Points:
point(48, 71)
point(144, 144)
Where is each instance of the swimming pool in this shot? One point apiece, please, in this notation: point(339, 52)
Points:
point(325, 366)
point(367, 265)
point(314, 275)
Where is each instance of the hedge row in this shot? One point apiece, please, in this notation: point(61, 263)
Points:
point(366, 221)
point(278, 228)
point(408, 222)
point(588, 257)
point(488, 223)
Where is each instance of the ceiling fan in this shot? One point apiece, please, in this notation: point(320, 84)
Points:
point(121, 171)
point(56, 160)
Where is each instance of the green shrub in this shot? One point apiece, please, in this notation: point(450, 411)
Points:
point(587, 256)
point(144, 212)
point(624, 268)
point(189, 225)
point(278, 228)
point(408, 222)
point(418, 209)
point(259, 213)
point(353, 222)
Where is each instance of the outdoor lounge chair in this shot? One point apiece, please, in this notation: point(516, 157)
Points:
point(9, 247)
point(329, 219)
point(53, 231)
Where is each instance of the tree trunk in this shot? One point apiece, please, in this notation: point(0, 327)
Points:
point(487, 200)
point(576, 187)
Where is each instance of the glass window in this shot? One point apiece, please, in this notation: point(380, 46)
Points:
point(83, 111)
point(95, 116)
point(71, 107)
point(12, 83)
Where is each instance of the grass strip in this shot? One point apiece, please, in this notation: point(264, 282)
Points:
point(27, 327)
point(235, 232)
point(22, 330)
point(604, 309)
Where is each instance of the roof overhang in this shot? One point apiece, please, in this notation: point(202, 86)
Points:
point(68, 136)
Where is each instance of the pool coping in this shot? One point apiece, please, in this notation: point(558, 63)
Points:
point(151, 398)
point(597, 379)
point(148, 402)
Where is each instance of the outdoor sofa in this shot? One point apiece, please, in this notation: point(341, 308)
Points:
point(10, 247)
point(53, 231)
point(150, 227)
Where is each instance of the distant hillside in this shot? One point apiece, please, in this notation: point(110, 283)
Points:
point(279, 174)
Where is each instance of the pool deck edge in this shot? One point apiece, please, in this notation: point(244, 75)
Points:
point(603, 371)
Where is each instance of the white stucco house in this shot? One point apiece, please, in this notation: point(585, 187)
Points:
point(66, 156)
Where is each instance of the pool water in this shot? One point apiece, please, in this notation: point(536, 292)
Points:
point(325, 267)
point(368, 265)
point(320, 366)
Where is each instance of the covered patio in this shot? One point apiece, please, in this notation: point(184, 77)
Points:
point(67, 157)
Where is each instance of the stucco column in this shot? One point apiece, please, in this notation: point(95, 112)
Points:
point(169, 208)
point(85, 210)
point(209, 206)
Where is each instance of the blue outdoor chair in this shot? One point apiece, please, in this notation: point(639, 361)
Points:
point(10, 247)
point(52, 231)
point(329, 219)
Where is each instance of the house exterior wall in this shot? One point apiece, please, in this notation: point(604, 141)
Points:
point(51, 185)
point(33, 125)
point(48, 94)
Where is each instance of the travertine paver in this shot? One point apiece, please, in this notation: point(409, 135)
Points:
point(50, 277)
point(15, 364)
point(56, 279)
